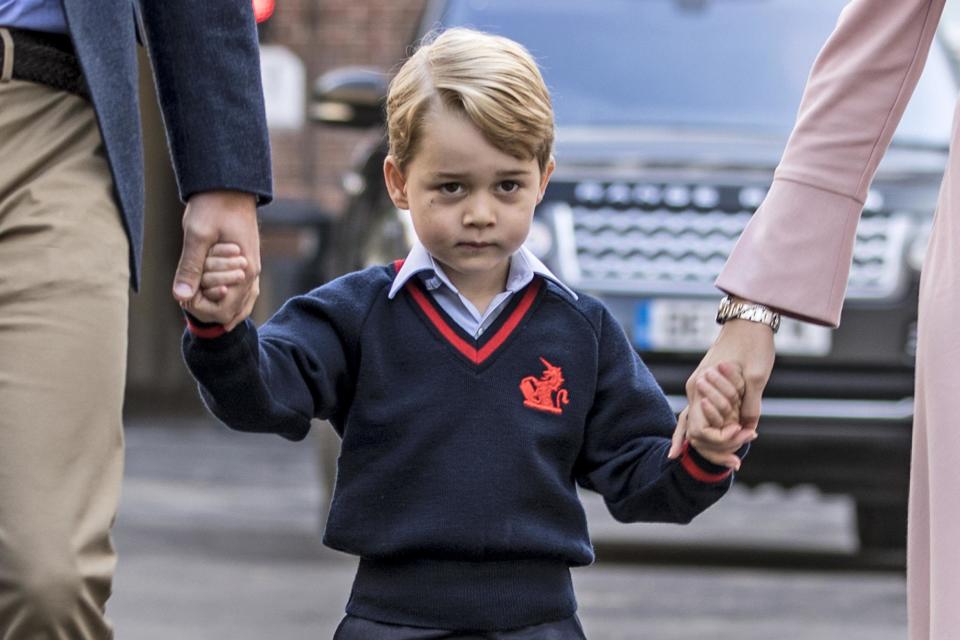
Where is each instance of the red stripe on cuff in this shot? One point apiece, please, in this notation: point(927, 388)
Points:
point(691, 467)
point(214, 331)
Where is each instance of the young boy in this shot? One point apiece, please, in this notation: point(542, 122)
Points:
point(472, 390)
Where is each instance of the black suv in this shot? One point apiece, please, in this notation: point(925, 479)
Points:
point(671, 116)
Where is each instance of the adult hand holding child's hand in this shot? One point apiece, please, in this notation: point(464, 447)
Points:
point(221, 284)
point(210, 218)
point(743, 344)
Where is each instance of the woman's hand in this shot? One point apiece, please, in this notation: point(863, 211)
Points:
point(750, 346)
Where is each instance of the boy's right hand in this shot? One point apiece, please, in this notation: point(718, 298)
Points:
point(223, 270)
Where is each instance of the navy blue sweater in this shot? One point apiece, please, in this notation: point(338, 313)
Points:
point(457, 475)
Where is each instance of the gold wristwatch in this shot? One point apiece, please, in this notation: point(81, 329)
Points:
point(731, 310)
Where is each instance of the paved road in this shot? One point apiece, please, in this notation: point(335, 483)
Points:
point(218, 539)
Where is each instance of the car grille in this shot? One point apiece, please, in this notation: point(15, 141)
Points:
point(670, 239)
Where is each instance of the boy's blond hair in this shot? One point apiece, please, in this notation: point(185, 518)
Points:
point(492, 80)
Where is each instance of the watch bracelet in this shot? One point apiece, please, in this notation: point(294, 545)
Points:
point(750, 311)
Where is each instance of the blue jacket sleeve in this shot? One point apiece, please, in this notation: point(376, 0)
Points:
point(624, 455)
point(206, 64)
point(299, 365)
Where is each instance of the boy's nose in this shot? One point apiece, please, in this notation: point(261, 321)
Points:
point(479, 213)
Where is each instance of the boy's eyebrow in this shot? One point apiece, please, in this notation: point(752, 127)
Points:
point(506, 173)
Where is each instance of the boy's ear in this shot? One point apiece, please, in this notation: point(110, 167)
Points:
point(545, 178)
point(396, 183)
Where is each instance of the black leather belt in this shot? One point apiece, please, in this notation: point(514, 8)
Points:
point(46, 58)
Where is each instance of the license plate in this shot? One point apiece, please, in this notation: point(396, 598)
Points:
point(667, 324)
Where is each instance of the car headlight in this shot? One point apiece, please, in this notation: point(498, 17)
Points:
point(917, 249)
point(540, 239)
point(406, 222)
point(353, 183)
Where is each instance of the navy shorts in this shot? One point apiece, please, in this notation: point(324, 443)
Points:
point(354, 628)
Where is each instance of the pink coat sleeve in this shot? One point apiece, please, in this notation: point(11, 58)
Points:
point(795, 254)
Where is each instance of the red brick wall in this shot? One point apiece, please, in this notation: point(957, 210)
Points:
point(328, 34)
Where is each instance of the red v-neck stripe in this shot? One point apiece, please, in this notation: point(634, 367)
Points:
point(445, 330)
point(477, 356)
point(507, 328)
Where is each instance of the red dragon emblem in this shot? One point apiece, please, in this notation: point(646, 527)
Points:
point(544, 393)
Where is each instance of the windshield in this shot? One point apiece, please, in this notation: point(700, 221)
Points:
point(718, 64)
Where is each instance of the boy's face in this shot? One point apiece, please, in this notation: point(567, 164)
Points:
point(471, 203)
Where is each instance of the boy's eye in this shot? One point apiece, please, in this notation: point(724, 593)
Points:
point(451, 188)
point(510, 186)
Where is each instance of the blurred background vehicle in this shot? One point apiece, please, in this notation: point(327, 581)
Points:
point(950, 27)
point(671, 117)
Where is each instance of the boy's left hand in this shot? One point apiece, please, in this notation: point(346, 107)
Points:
point(721, 388)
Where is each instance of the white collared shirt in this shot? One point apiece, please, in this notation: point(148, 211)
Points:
point(523, 267)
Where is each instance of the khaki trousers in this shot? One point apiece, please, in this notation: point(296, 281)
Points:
point(63, 331)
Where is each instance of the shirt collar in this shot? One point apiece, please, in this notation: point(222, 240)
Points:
point(524, 262)
point(417, 261)
point(523, 267)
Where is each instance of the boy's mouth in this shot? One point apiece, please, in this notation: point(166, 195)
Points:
point(475, 245)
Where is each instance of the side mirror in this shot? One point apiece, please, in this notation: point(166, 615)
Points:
point(349, 97)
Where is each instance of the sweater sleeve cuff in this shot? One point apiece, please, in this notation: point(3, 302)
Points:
point(699, 468)
point(205, 330)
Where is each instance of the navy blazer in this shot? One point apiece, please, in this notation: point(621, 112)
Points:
point(200, 49)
